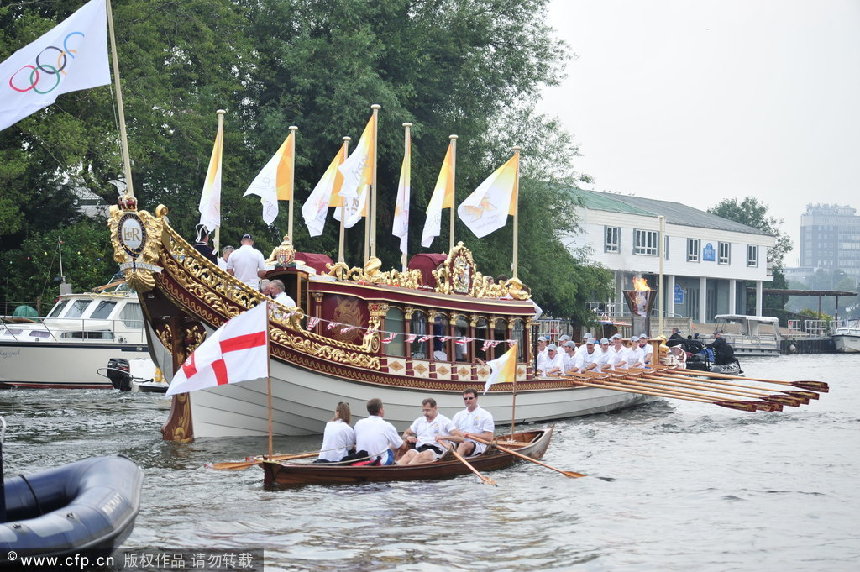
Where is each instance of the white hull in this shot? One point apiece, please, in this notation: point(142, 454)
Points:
point(302, 402)
point(847, 343)
point(63, 365)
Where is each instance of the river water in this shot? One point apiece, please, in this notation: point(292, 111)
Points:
point(686, 486)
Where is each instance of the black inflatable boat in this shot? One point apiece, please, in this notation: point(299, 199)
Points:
point(85, 508)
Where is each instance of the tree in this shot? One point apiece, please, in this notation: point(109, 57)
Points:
point(471, 67)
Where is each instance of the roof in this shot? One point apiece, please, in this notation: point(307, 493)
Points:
point(782, 292)
point(675, 213)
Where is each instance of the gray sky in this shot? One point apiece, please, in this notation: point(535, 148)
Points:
point(699, 100)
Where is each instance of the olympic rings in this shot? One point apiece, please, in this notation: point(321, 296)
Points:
point(62, 62)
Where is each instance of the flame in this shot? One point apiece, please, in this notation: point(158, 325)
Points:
point(640, 284)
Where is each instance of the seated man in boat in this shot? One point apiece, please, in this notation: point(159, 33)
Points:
point(569, 355)
point(603, 356)
point(474, 421)
point(423, 433)
point(618, 353)
point(339, 437)
point(636, 354)
point(586, 359)
point(376, 435)
point(550, 363)
point(277, 289)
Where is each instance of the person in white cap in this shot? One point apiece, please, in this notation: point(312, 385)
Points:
point(247, 263)
point(569, 350)
point(586, 359)
point(581, 347)
point(552, 363)
point(603, 356)
point(647, 348)
point(618, 353)
point(635, 355)
point(541, 346)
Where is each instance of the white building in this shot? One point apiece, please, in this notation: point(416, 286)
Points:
point(708, 261)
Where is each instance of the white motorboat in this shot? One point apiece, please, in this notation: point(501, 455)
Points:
point(748, 335)
point(80, 333)
point(847, 339)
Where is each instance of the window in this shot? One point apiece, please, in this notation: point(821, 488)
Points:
point(692, 250)
point(58, 308)
point(131, 315)
point(103, 310)
point(752, 255)
point(645, 242)
point(394, 325)
point(724, 253)
point(612, 242)
point(666, 247)
point(77, 308)
point(419, 328)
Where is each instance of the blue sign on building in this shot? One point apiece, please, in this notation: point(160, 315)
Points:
point(709, 252)
point(679, 294)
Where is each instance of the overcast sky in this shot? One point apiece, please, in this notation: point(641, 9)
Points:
point(699, 100)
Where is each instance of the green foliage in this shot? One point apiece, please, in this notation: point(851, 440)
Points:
point(470, 67)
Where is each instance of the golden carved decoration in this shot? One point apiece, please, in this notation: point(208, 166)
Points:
point(283, 254)
point(464, 371)
point(443, 370)
point(136, 241)
point(483, 371)
point(396, 366)
point(421, 369)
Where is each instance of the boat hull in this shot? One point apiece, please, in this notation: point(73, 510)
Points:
point(846, 343)
point(302, 402)
point(284, 475)
point(61, 365)
point(86, 508)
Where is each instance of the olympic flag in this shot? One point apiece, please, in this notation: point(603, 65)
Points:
point(488, 207)
point(71, 57)
point(442, 198)
point(275, 180)
point(234, 352)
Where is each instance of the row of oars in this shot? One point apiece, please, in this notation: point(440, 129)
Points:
point(732, 391)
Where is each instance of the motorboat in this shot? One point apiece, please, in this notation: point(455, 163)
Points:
point(748, 335)
point(65, 348)
point(846, 339)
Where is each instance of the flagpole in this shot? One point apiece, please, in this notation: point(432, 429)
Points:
point(216, 242)
point(514, 265)
point(453, 139)
point(407, 151)
point(269, 379)
point(293, 130)
point(371, 223)
point(123, 139)
point(514, 398)
point(345, 151)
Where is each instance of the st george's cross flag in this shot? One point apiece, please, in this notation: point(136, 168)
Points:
point(234, 352)
point(70, 57)
point(503, 369)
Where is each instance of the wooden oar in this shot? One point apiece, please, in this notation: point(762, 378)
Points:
point(676, 374)
point(570, 474)
point(251, 461)
point(790, 398)
point(809, 384)
point(484, 479)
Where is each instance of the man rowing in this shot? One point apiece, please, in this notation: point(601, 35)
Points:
point(474, 421)
point(423, 433)
point(376, 435)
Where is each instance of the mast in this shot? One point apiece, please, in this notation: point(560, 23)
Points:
point(407, 151)
point(123, 139)
point(516, 198)
point(345, 152)
point(453, 139)
point(370, 221)
point(216, 241)
point(293, 130)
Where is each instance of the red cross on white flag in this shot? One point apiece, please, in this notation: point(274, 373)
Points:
point(234, 352)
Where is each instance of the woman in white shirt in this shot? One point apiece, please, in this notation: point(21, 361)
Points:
point(338, 437)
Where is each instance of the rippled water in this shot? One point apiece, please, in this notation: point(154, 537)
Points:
point(694, 486)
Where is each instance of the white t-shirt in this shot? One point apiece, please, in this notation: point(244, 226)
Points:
point(636, 357)
point(583, 359)
point(617, 356)
point(376, 435)
point(603, 358)
point(222, 264)
point(426, 431)
point(245, 262)
point(547, 364)
point(338, 439)
point(285, 299)
point(477, 421)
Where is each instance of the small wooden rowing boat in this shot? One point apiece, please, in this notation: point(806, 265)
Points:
point(532, 444)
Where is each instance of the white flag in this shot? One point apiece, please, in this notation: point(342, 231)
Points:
point(357, 173)
point(488, 207)
point(71, 57)
point(442, 198)
point(400, 228)
point(315, 209)
point(503, 369)
point(235, 352)
point(210, 198)
point(275, 180)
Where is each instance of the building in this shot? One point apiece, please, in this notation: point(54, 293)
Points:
point(708, 261)
point(830, 239)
